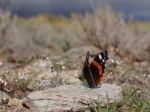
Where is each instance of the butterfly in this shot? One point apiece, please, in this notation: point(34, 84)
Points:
point(94, 71)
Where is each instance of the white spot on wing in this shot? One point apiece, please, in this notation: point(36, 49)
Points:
point(100, 57)
point(103, 60)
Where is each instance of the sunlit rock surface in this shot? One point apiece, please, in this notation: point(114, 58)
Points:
point(74, 97)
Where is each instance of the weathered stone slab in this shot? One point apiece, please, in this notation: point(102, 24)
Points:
point(74, 97)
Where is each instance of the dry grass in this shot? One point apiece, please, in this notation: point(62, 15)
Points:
point(106, 29)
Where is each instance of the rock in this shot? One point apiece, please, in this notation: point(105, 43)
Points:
point(73, 76)
point(14, 102)
point(43, 64)
point(17, 105)
point(38, 75)
point(68, 77)
point(45, 80)
point(27, 104)
point(4, 98)
point(77, 55)
point(19, 58)
point(74, 97)
point(45, 76)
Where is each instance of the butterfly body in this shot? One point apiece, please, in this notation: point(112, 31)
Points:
point(95, 70)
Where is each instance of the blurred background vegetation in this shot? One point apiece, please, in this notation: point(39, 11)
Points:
point(104, 29)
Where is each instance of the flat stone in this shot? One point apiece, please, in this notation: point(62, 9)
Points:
point(74, 97)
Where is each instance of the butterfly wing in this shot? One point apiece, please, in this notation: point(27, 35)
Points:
point(97, 74)
point(94, 72)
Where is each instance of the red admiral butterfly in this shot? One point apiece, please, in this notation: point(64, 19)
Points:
point(95, 70)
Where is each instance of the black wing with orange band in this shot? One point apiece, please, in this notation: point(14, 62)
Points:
point(94, 72)
point(100, 73)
